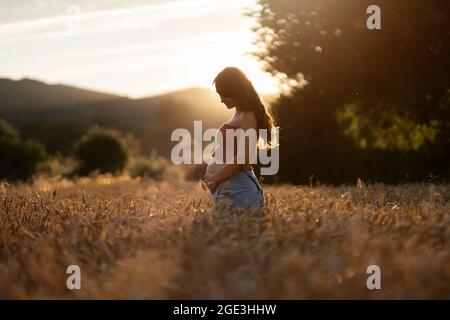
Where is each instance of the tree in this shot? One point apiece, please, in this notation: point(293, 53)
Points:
point(383, 89)
point(101, 149)
point(19, 158)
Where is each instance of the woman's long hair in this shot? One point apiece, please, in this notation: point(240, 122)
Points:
point(231, 82)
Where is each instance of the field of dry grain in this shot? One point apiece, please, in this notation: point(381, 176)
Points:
point(139, 239)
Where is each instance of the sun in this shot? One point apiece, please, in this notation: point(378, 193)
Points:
point(226, 50)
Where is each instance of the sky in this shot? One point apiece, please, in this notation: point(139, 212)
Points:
point(134, 48)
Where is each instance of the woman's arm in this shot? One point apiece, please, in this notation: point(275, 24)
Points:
point(226, 171)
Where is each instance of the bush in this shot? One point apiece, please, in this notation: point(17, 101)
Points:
point(59, 165)
point(102, 150)
point(19, 158)
point(155, 167)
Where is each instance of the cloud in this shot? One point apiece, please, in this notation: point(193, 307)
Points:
point(122, 19)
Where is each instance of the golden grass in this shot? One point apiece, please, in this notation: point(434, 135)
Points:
point(158, 240)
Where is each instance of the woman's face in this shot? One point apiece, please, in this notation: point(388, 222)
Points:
point(229, 102)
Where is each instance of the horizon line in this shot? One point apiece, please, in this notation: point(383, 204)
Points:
point(117, 94)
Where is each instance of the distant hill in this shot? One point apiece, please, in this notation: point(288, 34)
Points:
point(29, 94)
point(57, 115)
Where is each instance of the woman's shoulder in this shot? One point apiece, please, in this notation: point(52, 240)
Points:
point(245, 120)
point(248, 120)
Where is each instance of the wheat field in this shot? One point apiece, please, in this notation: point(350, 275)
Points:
point(141, 239)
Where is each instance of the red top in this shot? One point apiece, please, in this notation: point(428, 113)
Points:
point(222, 130)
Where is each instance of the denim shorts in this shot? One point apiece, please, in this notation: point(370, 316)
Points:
point(240, 191)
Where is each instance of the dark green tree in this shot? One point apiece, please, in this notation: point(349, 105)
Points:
point(18, 157)
point(357, 89)
point(101, 149)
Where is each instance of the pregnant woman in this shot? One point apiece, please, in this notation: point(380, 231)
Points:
point(234, 183)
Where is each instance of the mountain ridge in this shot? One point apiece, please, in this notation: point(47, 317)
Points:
point(58, 115)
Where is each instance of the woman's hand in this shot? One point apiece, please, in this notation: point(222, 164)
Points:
point(211, 184)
